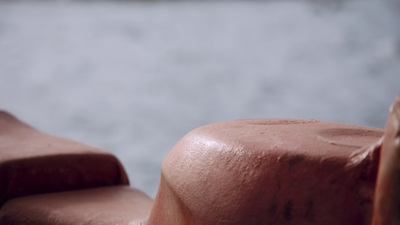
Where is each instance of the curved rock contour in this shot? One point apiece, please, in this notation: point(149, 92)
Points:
point(270, 171)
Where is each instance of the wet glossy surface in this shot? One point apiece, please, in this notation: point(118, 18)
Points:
point(117, 205)
point(270, 171)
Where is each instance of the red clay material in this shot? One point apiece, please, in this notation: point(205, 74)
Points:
point(116, 205)
point(32, 162)
point(387, 192)
point(270, 171)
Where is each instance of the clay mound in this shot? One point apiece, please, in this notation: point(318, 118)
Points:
point(270, 171)
point(32, 162)
point(120, 205)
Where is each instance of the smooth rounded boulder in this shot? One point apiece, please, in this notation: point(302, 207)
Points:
point(32, 162)
point(270, 171)
point(112, 205)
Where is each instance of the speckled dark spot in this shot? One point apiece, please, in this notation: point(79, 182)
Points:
point(309, 215)
point(295, 160)
point(278, 182)
point(287, 212)
point(273, 207)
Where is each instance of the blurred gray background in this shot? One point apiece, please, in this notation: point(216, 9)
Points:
point(134, 77)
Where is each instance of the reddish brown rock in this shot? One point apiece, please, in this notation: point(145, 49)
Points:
point(387, 192)
point(270, 171)
point(116, 205)
point(32, 162)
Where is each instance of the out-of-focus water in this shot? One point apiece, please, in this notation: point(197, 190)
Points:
point(134, 77)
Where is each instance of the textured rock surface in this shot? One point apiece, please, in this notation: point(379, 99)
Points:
point(32, 162)
point(117, 205)
point(387, 195)
point(270, 171)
